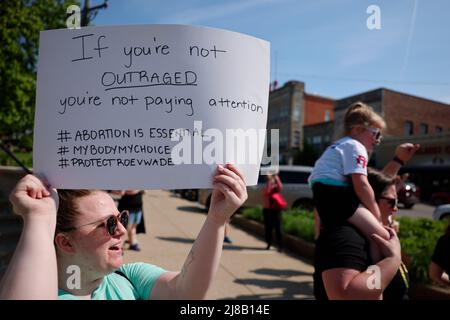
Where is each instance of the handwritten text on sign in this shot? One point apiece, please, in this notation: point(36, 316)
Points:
point(142, 106)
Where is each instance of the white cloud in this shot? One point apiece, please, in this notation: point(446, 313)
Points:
point(410, 36)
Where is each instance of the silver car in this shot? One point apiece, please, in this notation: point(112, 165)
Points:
point(296, 190)
point(442, 212)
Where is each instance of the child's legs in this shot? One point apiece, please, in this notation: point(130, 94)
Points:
point(366, 222)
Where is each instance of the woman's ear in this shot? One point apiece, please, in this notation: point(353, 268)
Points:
point(356, 130)
point(63, 243)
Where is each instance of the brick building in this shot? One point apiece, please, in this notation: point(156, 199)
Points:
point(405, 114)
point(319, 135)
point(318, 120)
point(318, 109)
point(290, 109)
point(409, 119)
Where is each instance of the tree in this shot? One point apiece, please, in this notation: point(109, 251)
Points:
point(20, 24)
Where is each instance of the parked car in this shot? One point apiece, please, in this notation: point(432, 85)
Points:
point(408, 194)
point(442, 212)
point(296, 190)
point(441, 197)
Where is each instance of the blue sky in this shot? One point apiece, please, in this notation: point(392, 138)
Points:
point(325, 43)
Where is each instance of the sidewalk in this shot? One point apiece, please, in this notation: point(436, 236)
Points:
point(247, 270)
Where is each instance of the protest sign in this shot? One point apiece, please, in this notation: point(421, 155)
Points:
point(151, 106)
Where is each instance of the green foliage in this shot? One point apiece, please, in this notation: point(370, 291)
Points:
point(26, 142)
point(20, 24)
point(253, 214)
point(299, 212)
point(299, 223)
point(418, 236)
point(25, 157)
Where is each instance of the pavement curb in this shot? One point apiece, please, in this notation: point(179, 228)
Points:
point(298, 246)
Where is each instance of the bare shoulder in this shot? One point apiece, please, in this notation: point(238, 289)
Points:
point(363, 210)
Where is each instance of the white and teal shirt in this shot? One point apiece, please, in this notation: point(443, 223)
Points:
point(137, 285)
point(343, 158)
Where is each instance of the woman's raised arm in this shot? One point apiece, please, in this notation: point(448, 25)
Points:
point(202, 263)
point(32, 271)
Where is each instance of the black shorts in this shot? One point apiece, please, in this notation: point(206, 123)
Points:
point(334, 204)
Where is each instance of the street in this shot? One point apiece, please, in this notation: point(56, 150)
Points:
point(419, 210)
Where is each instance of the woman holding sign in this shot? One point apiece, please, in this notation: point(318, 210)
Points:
point(82, 259)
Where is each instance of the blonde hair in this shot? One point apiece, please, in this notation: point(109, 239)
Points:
point(361, 114)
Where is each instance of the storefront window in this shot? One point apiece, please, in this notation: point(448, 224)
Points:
point(423, 128)
point(409, 128)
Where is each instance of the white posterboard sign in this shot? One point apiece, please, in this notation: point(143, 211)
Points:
point(149, 106)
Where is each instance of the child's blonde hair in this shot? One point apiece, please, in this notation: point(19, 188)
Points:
point(361, 114)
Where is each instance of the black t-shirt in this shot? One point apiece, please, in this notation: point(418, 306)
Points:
point(345, 246)
point(441, 254)
point(131, 202)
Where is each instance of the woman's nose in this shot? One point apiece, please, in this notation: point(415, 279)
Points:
point(121, 230)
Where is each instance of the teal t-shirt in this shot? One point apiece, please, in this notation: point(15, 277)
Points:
point(117, 287)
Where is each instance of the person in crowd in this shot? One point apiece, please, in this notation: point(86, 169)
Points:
point(227, 238)
point(271, 213)
point(131, 200)
point(439, 268)
point(70, 247)
point(339, 178)
point(343, 265)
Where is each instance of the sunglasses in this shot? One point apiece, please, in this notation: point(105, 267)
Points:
point(110, 223)
point(393, 202)
point(375, 132)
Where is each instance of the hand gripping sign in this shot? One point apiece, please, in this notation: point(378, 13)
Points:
point(150, 106)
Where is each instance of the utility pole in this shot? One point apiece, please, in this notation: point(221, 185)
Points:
point(88, 13)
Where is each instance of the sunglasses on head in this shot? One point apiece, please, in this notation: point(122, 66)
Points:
point(110, 222)
point(393, 202)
